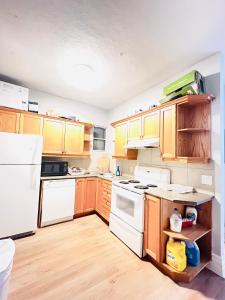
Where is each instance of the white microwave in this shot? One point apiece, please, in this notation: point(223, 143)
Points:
point(13, 96)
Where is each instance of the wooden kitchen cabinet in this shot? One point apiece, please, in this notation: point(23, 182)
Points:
point(85, 196)
point(135, 129)
point(80, 195)
point(99, 196)
point(90, 196)
point(168, 132)
point(150, 125)
point(121, 141)
point(53, 135)
point(103, 199)
point(74, 138)
point(152, 235)
point(9, 121)
point(30, 124)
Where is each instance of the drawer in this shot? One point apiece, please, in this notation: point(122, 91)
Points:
point(106, 195)
point(106, 204)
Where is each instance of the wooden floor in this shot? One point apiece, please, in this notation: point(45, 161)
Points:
point(81, 259)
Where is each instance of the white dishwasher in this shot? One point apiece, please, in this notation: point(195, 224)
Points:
point(57, 201)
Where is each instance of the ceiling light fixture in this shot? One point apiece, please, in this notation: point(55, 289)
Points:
point(89, 76)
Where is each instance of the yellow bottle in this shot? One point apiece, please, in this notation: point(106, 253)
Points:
point(175, 255)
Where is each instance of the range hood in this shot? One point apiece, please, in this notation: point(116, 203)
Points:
point(143, 143)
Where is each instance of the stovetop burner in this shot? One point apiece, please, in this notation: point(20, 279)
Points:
point(124, 182)
point(134, 181)
point(141, 187)
point(152, 185)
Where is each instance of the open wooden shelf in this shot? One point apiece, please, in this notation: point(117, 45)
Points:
point(187, 159)
point(192, 233)
point(188, 274)
point(192, 130)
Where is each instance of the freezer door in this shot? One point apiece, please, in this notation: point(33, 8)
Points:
point(19, 197)
point(20, 149)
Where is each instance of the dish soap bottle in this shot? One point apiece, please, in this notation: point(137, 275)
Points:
point(118, 173)
point(176, 221)
point(175, 255)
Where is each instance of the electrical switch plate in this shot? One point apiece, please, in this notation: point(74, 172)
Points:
point(206, 179)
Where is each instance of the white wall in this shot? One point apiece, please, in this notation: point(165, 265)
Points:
point(186, 173)
point(84, 112)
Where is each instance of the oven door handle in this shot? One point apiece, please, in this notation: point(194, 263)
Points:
point(127, 194)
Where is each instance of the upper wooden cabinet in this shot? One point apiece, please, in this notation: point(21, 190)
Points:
point(30, 124)
point(9, 121)
point(150, 125)
point(168, 132)
point(74, 138)
point(135, 129)
point(53, 135)
point(121, 141)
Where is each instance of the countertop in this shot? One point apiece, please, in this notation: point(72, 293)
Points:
point(189, 198)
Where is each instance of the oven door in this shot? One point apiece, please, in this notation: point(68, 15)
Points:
point(129, 207)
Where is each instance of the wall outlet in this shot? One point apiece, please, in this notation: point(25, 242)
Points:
point(206, 179)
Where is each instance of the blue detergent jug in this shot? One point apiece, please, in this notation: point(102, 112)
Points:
point(192, 253)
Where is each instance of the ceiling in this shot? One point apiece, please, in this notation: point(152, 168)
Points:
point(122, 47)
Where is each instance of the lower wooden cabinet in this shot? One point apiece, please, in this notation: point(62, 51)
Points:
point(103, 198)
point(152, 239)
point(9, 121)
point(99, 196)
point(79, 196)
point(90, 197)
point(85, 195)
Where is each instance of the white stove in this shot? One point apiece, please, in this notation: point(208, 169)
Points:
point(145, 178)
point(127, 206)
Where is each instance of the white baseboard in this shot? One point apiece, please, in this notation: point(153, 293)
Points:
point(217, 265)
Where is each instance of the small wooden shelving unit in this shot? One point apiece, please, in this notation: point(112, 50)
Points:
point(193, 130)
point(200, 233)
point(87, 139)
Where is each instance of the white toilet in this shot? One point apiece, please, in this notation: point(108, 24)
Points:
point(7, 250)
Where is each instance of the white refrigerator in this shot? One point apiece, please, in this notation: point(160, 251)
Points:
point(20, 168)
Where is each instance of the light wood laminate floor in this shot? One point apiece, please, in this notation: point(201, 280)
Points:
point(81, 259)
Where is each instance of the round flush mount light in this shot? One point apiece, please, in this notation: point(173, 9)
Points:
point(84, 71)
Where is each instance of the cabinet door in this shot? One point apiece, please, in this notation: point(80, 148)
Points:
point(168, 132)
point(120, 140)
point(90, 199)
point(31, 124)
point(9, 121)
point(99, 196)
point(53, 134)
point(134, 129)
point(150, 125)
point(74, 138)
point(80, 196)
point(152, 227)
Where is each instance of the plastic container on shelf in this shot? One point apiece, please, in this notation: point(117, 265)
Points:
point(191, 214)
point(175, 254)
point(7, 250)
point(176, 221)
point(192, 253)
